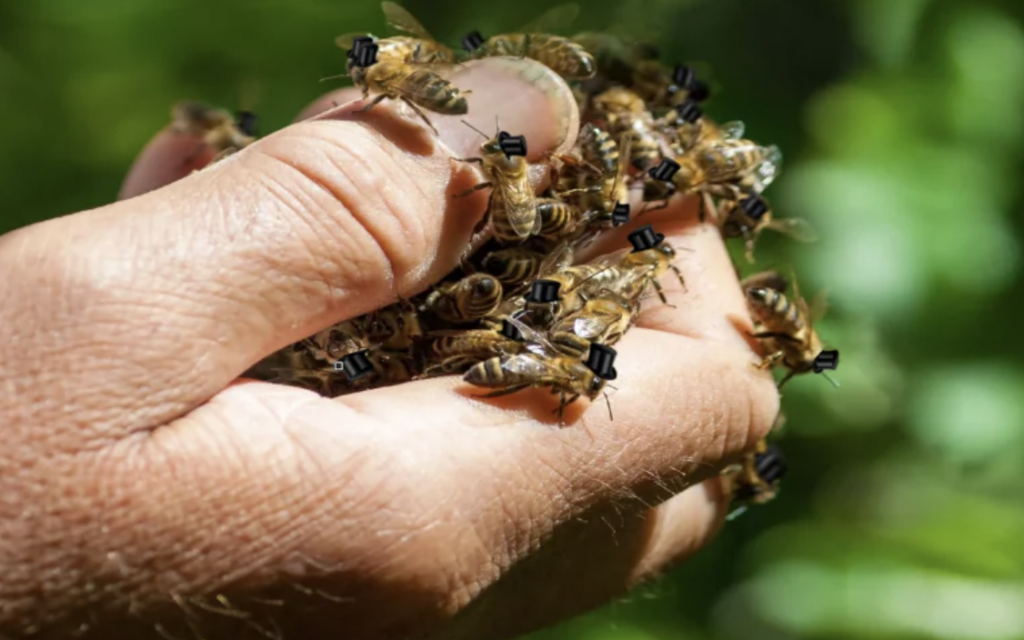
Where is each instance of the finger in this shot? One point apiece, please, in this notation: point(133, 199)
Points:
point(169, 157)
point(329, 101)
point(180, 290)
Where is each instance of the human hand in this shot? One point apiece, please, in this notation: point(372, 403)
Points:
point(147, 492)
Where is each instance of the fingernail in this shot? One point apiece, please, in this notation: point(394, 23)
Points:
point(526, 97)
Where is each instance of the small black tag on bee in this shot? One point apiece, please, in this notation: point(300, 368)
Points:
point(472, 41)
point(365, 55)
point(620, 214)
point(601, 361)
point(355, 365)
point(665, 170)
point(754, 206)
point(689, 111)
point(511, 331)
point(246, 123)
point(645, 238)
point(700, 91)
point(543, 291)
point(826, 361)
point(683, 76)
point(770, 465)
point(512, 145)
point(357, 44)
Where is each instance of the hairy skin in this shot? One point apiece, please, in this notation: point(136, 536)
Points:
point(148, 492)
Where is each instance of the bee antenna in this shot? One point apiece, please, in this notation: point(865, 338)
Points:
point(466, 122)
point(340, 75)
point(735, 513)
point(609, 403)
point(830, 379)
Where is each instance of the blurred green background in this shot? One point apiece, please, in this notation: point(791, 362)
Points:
point(901, 124)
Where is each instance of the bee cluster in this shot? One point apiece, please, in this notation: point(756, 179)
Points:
point(520, 312)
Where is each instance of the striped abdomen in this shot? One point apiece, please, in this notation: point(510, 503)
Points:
point(513, 207)
point(600, 149)
point(775, 311)
point(514, 265)
point(557, 219)
point(727, 160)
point(432, 92)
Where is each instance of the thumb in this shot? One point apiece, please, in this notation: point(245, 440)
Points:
point(324, 220)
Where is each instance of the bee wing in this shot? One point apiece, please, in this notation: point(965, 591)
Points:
point(535, 342)
point(558, 260)
point(552, 20)
point(796, 228)
point(528, 365)
point(400, 19)
point(769, 169)
point(590, 327)
point(732, 130)
point(345, 41)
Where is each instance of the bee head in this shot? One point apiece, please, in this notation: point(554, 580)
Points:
point(666, 250)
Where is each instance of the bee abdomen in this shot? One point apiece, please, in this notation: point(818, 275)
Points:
point(557, 218)
point(570, 344)
point(435, 93)
point(486, 374)
point(512, 266)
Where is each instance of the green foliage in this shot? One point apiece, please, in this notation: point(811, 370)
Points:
point(901, 125)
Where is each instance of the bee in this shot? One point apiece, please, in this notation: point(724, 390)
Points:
point(686, 126)
point(415, 84)
point(542, 365)
point(755, 481)
point(466, 300)
point(616, 59)
point(785, 327)
point(603, 320)
point(661, 88)
point(221, 132)
point(563, 56)
point(558, 220)
point(748, 217)
point(629, 273)
point(623, 111)
point(766, 280)
point(418, 47)
point(514, 265)
point(512, 208)
point(333, 343)
point(395, 327)
point(601, 177)
point(723, 168)
point(456, 351)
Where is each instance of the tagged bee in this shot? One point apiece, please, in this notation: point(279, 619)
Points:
point(785, 328)
point(415, 84)
point(631, 272)
point(756, 480)
point(748, 217)
point(395, 327)
point(466, 300)
point(512, 208)
point(599, 181)
point(542, 365)
point(723, 168)
point(561, 55)
point(456, 351)
point(221, 132)
point(418, 47)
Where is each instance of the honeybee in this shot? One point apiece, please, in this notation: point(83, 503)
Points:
point(748, 217)
point(723, 168)
point(415, 84)
point(661, 88)
point(456, 351)
point(561, 55)
point(616, 59)
point(541, 365)
point(785, 328)
point(629, 273)
point(419, 47)
point(756, 480)
point(686, 126)
point(514, 265)
point(512, 209)
point(466, 300)
point(605, 163)
point(558, 220)
point(603, 320)
point(624, 111)
point(765, 280)
point(221, 132)
point(395, 327)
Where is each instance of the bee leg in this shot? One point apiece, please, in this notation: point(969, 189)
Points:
point(422, 115)
point(770, 361)
point(373, 103)
point(748, 245)
point(503, 392)
point(706, 204)
point(661, 292)
point(679, 275)
point(778, 336)
point(789, 375)
point(661, 205)
point(482, 185)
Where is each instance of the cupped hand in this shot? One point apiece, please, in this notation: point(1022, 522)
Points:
point(146, 491)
